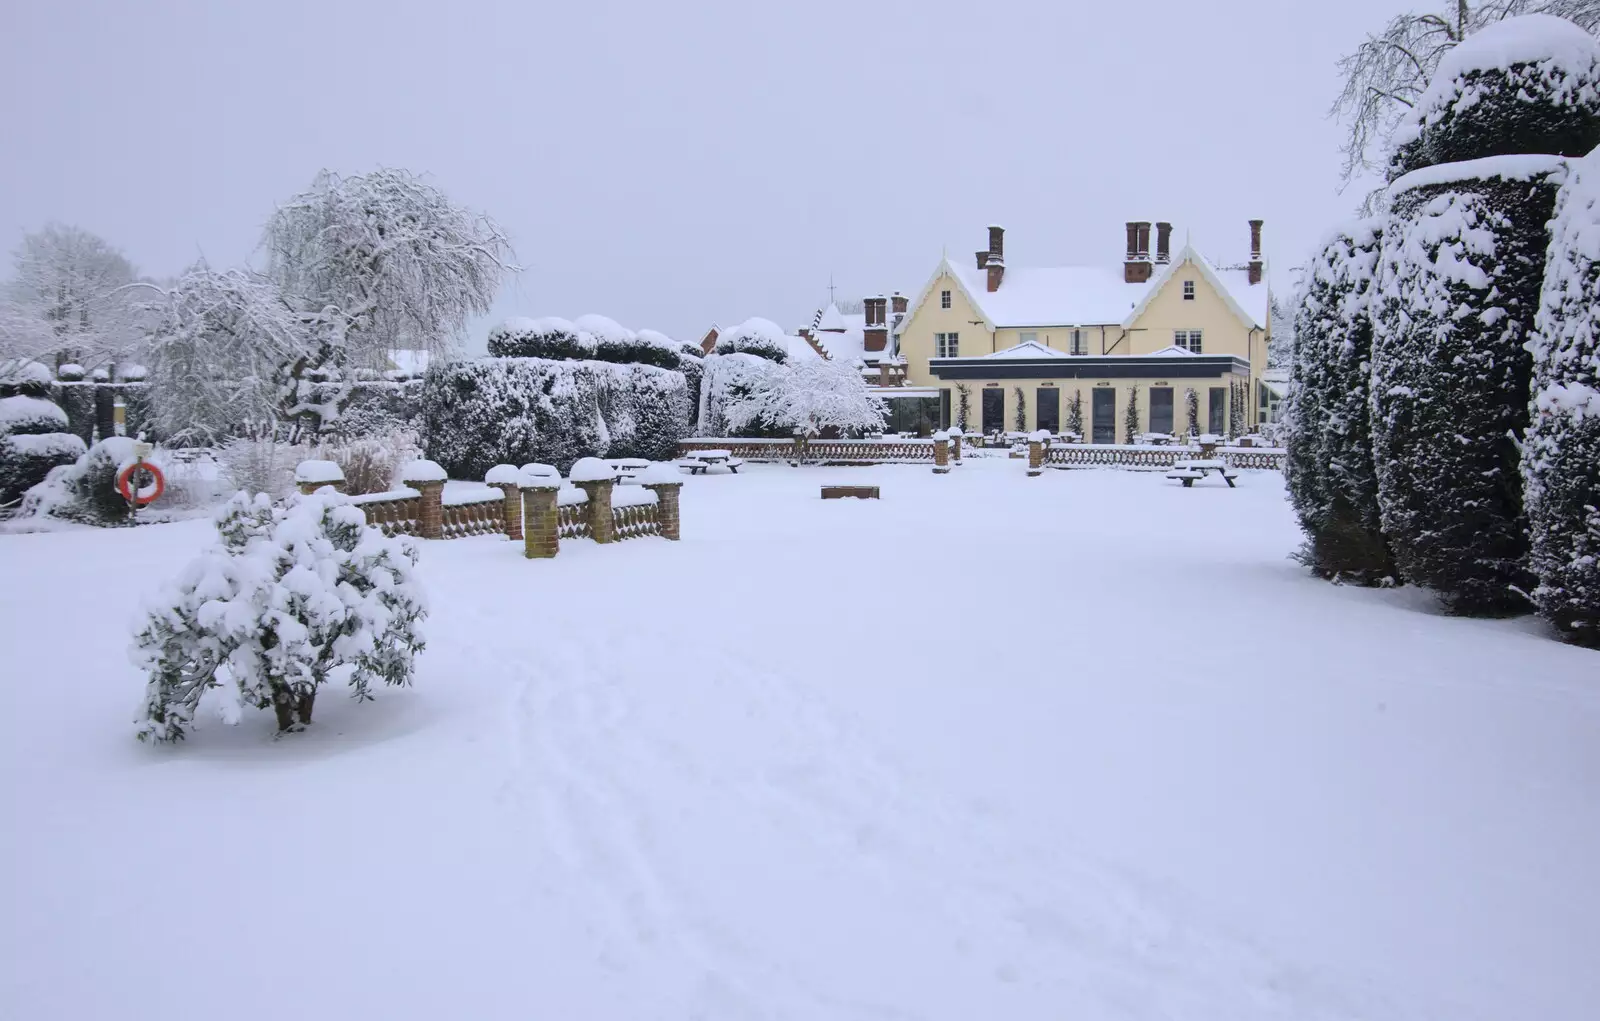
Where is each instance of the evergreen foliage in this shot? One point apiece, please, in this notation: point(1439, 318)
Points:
point(963, 405)
point(1191, 408)
point(1238, 405)
point(1561, 456)
point(33, 440)
point(760, 337)
point(477, 414)
point(1130, 416)
point(1021, 420)
point(288, 599)
point(1075, 413)
point(1327, 430)
point(1462, 262)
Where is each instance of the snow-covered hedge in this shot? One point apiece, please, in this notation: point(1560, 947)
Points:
point(378, 408)
point(1522, 85)
point(589, 337)
point(1459, 279)
point(288, 599)
point(760, 337)
point(33, 440)
point(85, 490)
point(1328, 432)
point(1561, 456)
point(477, 414)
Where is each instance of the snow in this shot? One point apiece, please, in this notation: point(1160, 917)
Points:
point(603, 329)
point(59, 444)
point(503, 475)
point(591, 469)
point(318, 472)
point(70, 370)
point(1027, 349)
point(631, 496)
point(1514, 167)
point(538, 470)
point(568, 496)
point(457, 496)
point(26, 372)
point(133, 373)
point(941, 436)
point(833, 320)
point(537, 480)
point(29, 409)
point(1039, 436)
point(421, 471)
point(401, 493)
point(659, 473)
point(1346, 806)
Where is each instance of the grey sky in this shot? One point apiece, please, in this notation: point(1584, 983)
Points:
point(674, 164)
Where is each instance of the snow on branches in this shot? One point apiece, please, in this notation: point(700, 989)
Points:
point(289, 598)
point(809, 396)
point(391, 257)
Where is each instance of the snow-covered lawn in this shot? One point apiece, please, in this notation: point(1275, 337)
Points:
point(1084, 746)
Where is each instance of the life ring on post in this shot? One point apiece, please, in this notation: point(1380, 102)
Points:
point(145, 496)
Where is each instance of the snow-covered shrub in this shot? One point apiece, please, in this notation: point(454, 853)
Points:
point(1327, 428)
point(288, 599)
point(730, 378)
point(1459, 278)
point(963, 406)
point(807, 397)
point(378, 408)
point(21, 377)
point(760, 337)
point(70, 372)
point(1561, 456)
point(1529, 84)
point(1238, 403)
point(477, 414)
point(693, 368)
point(262, 463)
point(616, 343)
point(86, 490)
point(1130, 416)
point(1191, 409)
point(550, 337)
point(369, 463)
point(77, 400)
point(1021, 402)
point(33, 440)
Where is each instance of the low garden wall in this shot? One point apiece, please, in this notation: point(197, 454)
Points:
point(899, 451)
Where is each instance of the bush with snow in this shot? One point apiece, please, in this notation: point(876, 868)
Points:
point(1528, 84)
point(477, 414)
point(33, 441)
point(288, 599)
point(550, 337)
point(756, 336)
point(730, 379)
point(1327, 429)
point(807, 397)
point(1075, 413)
point(85, 491)
point(1561, 455)
point(1459, 279)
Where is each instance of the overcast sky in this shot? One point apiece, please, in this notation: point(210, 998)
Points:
point(675, 164)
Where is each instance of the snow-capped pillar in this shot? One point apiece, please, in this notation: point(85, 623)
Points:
point(667, 508)
point(311, 476)
point(941, 453)
point(507, 479)
point(428, 479)
point(596, 478)
point(541, 518)
point(955, 445)
point(1038, 444)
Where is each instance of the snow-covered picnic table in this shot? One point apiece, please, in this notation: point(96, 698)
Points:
point(698, 461)
point(1188, 471)
point(628, 467)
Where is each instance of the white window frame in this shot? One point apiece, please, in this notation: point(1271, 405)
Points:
point(1031, 337)
point(1188, 290)
point(944, 299)
point(1192, 341)
point(1079, 343)
point(946, 345)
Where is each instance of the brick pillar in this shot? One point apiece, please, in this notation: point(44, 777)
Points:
point(602, 525)
point(511, 508)
point(666, 507)
point(1035, 457)
point(941, 455)
point(955, 447)
point(541, 521)
point(430, 517)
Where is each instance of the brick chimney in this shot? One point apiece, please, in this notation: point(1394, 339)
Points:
point(897, 303)
point(1163, 243)
point(1136, 265)
point(709, 342)
point(983, 259)
point(875, 336)
point(996, 263)
point(1255, 251)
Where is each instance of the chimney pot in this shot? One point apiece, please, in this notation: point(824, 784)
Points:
point(1163, 242)
point(1133, 240)
point(997, 272)
point(898, 303)
point(1143, 251)
point(983, 259)
point(1255, 251)
point(997, 242)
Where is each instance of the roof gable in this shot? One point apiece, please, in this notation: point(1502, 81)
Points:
point(1210, 275)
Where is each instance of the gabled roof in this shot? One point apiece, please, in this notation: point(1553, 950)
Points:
point(1027, 349)
point(831, 318)
point(1089, 295)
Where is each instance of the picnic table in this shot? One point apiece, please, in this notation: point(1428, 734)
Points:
point(698, 461)
point(629, 467)
point(1191, 470)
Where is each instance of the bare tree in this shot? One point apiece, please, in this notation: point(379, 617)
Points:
point(69, 298)
point(1391, 69)
point(388, 256)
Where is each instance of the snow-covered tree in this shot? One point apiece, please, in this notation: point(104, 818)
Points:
point(1386, 76)
point(69, 300)
point(1459, 280)
point(288, 599)
point(809, 396)
point(1191, 410)
point(1280, 351)
point(1130, 416)
point(388, 257)
point(756, 336)
point(1075, 413)
point(1561, 457)
point(728, 379)
point(222, 349)
point(1327, 425)
point(963, 406)
point(1022, 409)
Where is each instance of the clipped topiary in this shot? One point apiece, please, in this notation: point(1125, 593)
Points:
point(550, 337)
point(34, 439)
point(1561, 456)
point(1528, 84)
point(760, 337)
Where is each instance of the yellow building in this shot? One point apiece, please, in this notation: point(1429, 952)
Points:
point(1148, 330)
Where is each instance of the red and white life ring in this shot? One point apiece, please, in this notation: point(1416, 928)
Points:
point(146, 495)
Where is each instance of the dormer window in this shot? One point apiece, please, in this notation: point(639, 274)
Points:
point(1188, 290)
point(944, 299)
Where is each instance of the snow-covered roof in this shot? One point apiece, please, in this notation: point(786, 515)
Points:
point(1173, 350)
point(831, 318)
point(1028, 349)
point(1095, 295)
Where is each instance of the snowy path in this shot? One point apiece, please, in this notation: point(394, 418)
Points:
point(792, 768)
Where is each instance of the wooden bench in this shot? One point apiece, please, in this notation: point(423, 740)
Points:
point(697, 465)
point(840, 492)
point(1188, 476)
